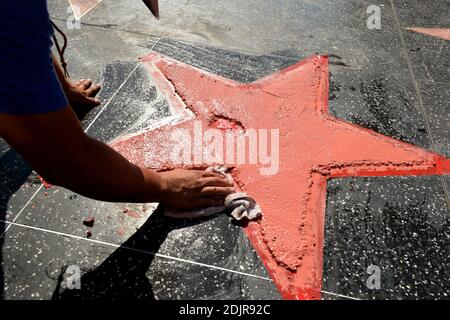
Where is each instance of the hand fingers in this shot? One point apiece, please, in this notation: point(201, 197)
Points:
point(84, 84)
point(207, 174)
point(216, 182)
point(92, 91)
point(216, 191)
point(91, 102)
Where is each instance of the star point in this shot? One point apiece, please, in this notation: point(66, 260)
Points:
point(443, 33)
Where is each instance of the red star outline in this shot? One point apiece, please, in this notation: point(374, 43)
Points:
point(314, 147)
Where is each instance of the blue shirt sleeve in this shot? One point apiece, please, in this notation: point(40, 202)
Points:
point(28, 82)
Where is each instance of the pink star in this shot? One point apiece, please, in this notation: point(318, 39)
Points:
point(313, 147)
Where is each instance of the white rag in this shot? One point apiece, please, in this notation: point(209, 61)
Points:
point(239, 205)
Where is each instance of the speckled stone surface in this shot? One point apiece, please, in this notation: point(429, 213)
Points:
point(397, 224)
point(39, 265)
point(17, 183)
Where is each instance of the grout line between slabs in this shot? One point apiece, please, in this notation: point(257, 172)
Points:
point(84, 13)
point(419, 97)
point(134, 249)
point(118, 89)
point(22, 209)
point(112, 97)
point(157, 255)
point(85, 130)
point(339, 295)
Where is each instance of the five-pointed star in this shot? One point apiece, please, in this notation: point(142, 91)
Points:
point(313, 147)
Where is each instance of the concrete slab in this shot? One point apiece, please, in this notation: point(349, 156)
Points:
point(18, 183)
point(108, 272)
point(378, 81)
point(396, 225)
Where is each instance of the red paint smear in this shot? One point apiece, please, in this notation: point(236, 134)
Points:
point(443, 33)
point(314, 147)
point(121, 231)
point(46, 184)
point(131, 213)
point(89, 221)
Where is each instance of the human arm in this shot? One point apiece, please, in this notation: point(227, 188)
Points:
point(59, 150)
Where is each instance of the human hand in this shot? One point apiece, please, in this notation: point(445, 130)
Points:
point(82, 94)
point(186, 189)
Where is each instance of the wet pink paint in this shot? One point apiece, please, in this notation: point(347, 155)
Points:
point(443, 33)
